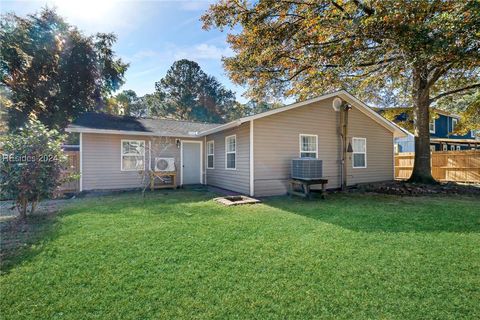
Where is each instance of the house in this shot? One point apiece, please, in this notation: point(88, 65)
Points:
point(442, 137)
point(251, 155)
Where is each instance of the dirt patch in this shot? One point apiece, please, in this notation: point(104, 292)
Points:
point(236, 200)
point(17, 235)
point(417, 189)
point(8, 210)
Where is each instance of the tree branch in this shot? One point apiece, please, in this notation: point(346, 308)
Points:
point(368, 10)
point(473, 86)
point(437, 73)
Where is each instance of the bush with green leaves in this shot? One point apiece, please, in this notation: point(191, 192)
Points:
point(31, 165)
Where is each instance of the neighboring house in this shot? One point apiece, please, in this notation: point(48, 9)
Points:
point(442, 137)
point(251, 155)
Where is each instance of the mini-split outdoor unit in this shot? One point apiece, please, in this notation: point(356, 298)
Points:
point(165, 164)
point(307, 169)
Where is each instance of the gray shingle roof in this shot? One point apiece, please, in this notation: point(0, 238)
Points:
point(161, 127)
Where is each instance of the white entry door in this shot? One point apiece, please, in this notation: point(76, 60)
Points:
point(191, 162)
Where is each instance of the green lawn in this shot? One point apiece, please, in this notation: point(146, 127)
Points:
point(180, 255)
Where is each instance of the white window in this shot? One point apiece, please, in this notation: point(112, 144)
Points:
point(454, 124)
point(431, 125)
point(432, 147)
point(452, 148)
point(210, 154)
point(308, 146)
point(444, 147)
point(133, 155)
point(395, 148)
point(472, 133)
point(459, 148)
point(231, 152)
point(359, 152)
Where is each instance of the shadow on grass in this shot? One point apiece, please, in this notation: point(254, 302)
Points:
point(21, 241)
point(155, 202)
point(387, 213)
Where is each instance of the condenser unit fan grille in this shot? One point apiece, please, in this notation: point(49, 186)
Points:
point(165, 164)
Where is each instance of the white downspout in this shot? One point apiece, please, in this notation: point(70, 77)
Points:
point(81, 162)
point(252, 166)
point(150, 155)
point(206, 161)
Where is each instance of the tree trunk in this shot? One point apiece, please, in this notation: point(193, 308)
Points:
point(22, 207)
point(422, 169)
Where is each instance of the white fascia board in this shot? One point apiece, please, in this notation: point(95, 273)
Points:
point(223, 127)
point(125, 132)
point(238, 122)
point(291, 106)
point(342, 93)
point(405, 131)
point(397, 132)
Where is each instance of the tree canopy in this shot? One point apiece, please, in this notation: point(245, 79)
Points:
point(188, 93)
point(408, 53)
point(127, 103)
point(52, 70)
point(32, 166)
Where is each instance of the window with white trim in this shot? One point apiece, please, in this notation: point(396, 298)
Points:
point(308, 146)
point(431, 125)
point(459, 148)
point(231, 152)
point(432, 147)
point(444, 147)
point(133, 155)
point(359, 155)
point(452, 148)
point(396, 148)
point(210, 154)
point(454, 124)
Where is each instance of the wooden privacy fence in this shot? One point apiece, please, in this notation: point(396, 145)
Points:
point(73, 166)
point(456, 166)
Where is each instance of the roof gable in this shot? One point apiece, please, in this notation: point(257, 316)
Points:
point(344, 95)
point(104, 123)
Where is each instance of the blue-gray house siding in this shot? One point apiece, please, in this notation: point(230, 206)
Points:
point(443, 129)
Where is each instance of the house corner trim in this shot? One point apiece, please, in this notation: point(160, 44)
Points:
point(81, 162)
point(252, 166)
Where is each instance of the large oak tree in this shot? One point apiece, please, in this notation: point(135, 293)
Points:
point(52, 70)
point(410, 52)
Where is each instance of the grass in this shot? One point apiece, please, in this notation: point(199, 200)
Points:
point(180, 255)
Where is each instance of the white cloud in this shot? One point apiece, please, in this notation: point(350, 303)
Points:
point(203, 51)
point(195, 5)
point(94, 16)
point(172, 52)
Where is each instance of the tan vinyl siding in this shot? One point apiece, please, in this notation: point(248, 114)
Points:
point(379, 150)
point(276, 143)
point(236, 180)
point(102, 160)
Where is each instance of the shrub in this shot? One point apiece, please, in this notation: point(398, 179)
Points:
point(31, 165)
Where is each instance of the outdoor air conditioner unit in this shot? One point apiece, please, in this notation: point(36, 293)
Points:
point(165, 164)
point(307, 169)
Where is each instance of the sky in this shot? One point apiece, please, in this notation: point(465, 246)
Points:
point(151, 35)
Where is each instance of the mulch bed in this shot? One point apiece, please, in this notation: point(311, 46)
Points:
point(417, 189)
